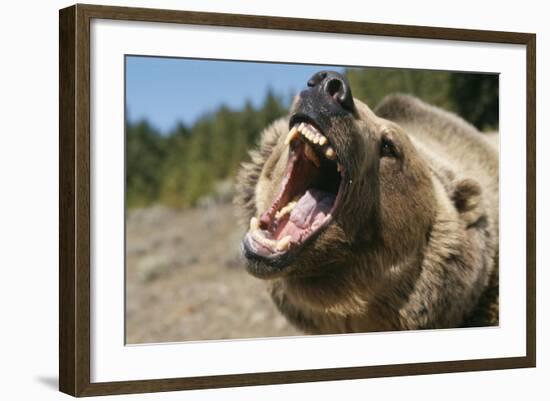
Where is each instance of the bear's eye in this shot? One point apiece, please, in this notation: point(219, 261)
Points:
point(387, 148)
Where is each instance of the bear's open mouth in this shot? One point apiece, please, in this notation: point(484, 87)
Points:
point(307, 199)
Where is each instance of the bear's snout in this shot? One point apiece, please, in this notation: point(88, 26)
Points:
point(328, 96)
point(333, 87)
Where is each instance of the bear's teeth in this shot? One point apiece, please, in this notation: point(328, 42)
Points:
point(254, 224)
point(330, 154)
point(309, 132)
point(284, 243)
point(292, 134)
point(257, 235)
point(310, 154)
point(285, 210)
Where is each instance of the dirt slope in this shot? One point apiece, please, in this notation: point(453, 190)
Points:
point(185, 279)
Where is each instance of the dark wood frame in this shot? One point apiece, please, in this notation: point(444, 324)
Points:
point(74, 199)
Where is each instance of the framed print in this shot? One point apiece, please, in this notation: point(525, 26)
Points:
point(251, 200)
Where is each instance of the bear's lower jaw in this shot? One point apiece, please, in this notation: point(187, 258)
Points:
point(265, 260)
point(293, 225)
point(265, 265)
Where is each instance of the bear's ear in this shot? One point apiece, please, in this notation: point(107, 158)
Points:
point(467, 200)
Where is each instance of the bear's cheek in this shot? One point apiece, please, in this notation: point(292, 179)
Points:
point(405, 211)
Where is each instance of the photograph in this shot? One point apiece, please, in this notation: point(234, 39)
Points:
point(268, 199)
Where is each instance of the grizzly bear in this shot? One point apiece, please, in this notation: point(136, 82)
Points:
point(363, 220)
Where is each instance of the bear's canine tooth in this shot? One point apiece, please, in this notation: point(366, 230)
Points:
point(330, 154)
point(254, 223)
point(310, 154)
point(285, 209)
point(284, 243)
point(280, 213)
point(292, 134)
point(322, 140)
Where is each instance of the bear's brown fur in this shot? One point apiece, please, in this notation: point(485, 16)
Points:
point(414, 242)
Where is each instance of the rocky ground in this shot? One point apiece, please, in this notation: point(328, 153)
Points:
point(185, 279)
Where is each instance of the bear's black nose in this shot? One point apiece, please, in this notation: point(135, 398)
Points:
point(327, 98)
point(334, 85)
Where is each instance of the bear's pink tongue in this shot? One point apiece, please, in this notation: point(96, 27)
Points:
point(313, 205)
point(309, 213)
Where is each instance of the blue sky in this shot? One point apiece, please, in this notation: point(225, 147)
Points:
point(168, 90)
